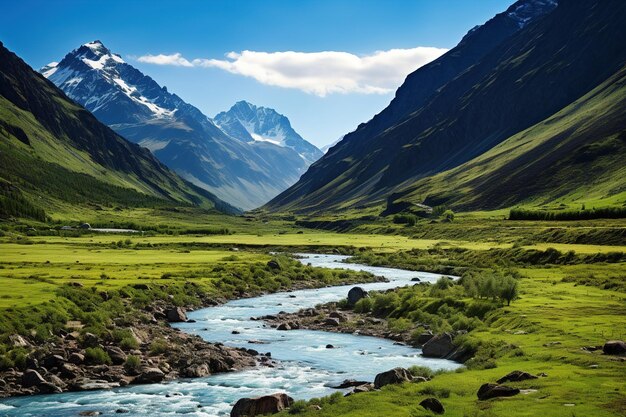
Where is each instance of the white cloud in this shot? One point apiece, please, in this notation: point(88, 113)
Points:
point(174, 59)
point(319, 73)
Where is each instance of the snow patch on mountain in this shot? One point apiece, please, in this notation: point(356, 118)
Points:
point(523, 12)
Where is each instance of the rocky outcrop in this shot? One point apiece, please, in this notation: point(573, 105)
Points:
point(516, 376)
point(614, 347)
point(487, 391)
point(434, 405)
point(268, 404)
point(393, 376)
point(355, 294)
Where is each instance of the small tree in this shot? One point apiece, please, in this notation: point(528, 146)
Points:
point(509, 290)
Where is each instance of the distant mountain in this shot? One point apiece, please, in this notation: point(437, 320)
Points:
point(54, 152)
point(325, 149)
point(250, 123)
point(506, 77)
point(240, 172)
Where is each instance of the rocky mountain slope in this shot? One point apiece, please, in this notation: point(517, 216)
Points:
point(240, 171)
point(53, 151)
point(516, 71)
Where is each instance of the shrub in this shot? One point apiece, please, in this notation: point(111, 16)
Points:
point(364, 305)
point(408, 219)
point(97, 356)
point(298, 407)
point(132, 364)
point(128, 343)
point(158, 346)
point(422, 371)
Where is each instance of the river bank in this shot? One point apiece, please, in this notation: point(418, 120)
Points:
point(138, 345)
point(303, 367)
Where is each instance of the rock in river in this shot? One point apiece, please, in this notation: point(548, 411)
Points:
point(176, 315)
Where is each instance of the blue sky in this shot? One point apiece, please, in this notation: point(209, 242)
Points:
point(324, 95)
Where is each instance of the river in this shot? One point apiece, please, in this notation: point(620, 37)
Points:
point(305, 368)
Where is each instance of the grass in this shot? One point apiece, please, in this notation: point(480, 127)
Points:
point(548, 311)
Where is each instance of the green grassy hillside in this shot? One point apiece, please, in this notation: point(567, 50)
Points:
point(54, 153)
point(573, 158)
point(528, 88)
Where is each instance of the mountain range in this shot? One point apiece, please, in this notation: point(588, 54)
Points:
point(245, 156)
point(527, 108)
point(54, 152)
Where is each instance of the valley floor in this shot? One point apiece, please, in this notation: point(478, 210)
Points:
point(566, 301)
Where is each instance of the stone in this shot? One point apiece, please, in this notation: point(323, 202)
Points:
point(32, 378)
point(331, 322)
point(614, 347)
point(116, 354)
point(273, 264)
point(76, 358)
point(283, 326)
point(416, 279)
point(337, 315)
point(197, 371)
point(363, 388)
point(268, 404)
point(424, 337)
point(48, 388)
point(516, 376)
point(393, 376)
point(487, 391)
point(329, 346)
point(347, 383)
point(150, 376)
point(355, 294)
point(438, 346)
point(434, 405)
point(176, 315)
point(53, 361)
point(18, 341)
point(69, 370)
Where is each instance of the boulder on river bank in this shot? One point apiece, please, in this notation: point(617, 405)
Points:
point(393, 376)
point(355, 294)
point(267, 404)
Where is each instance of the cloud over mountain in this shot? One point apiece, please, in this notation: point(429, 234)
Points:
point(319, 73)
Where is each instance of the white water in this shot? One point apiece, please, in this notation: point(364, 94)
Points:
point(306, 368)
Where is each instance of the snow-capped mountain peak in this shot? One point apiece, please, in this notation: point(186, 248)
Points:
point(250, 123)
point(95, 76)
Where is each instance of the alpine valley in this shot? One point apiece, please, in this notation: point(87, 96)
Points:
point(461, 253)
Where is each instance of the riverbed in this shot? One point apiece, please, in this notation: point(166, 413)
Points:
point(305, 368)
